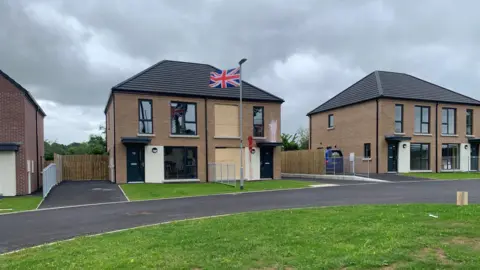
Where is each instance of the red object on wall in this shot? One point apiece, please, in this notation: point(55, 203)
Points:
point(250, 143)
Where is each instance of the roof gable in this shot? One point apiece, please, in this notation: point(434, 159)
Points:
point(188, 79)
point(388, 84)
point(25, 92)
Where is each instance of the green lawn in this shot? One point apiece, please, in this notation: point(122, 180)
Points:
point(155, 191)
point(20, 203)
point(447, 175)
point(353, 237)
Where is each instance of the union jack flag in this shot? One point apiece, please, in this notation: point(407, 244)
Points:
point(225, 78)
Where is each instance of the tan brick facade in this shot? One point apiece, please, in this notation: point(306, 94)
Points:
point(125, 124)
point(356, 125)
point(22, 123)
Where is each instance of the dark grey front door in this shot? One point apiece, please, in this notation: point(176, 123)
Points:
point(392, 157)
point(266, 162)
point(474, 157)
point(135, 163)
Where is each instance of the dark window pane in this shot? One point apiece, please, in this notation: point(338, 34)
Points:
point(183, 118)
point(398, 127)
point(425, 115)
point(180, 162)
point(469, 130)
point(444, 129)
point(418, 126)
point(145, 111)
point(424, 128)
point(145, 127)
point(258, 122)
point(190, 128)
point(451, 121)
point(444, 115)
point(190, 114)
point(398, 113)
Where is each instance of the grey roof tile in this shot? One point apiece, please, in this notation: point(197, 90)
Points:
point(393, 85)
point(188, 79)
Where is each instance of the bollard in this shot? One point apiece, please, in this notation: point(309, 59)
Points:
point(462, 198)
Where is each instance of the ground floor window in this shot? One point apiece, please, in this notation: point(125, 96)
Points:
point(180, 162)
point(450, 156)
point(419, 156)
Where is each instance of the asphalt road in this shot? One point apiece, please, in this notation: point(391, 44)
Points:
point(38, 227)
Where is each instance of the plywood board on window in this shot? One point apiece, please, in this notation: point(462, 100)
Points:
point(224, 156)
point(226, 121)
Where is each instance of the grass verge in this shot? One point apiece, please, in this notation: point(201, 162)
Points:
point(447, 175)
point(155, 191)
point(20, 203)
point(353, 237)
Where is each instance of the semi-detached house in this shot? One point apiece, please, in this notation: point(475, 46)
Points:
point(166, 124)
point(400, 123)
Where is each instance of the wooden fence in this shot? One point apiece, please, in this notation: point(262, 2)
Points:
point(303, 161)
point(82, 167)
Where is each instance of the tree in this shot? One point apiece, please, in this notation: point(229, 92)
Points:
point(303, 138)
point(289, 142)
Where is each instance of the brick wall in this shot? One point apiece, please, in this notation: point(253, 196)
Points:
point(12, 127)
point(126, 125)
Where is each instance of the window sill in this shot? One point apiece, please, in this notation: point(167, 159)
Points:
point(259, 138)
point(366, 159)
point(422, 134)
point(449, 135)
point(331, 128)
point(184, 136)
point(226, 137)
point(145, 135)
point(420, 171)
point(470, 136)
point(399, 133)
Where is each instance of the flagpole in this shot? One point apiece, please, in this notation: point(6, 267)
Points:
point(241, 125)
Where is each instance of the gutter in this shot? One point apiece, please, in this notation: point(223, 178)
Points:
point(206, 141)
point(376, 138)
point(436, 137)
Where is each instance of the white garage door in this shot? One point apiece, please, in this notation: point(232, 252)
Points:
point(228, 156)
point(8, 182)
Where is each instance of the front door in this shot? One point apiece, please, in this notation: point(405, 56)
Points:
point(474, 157)
point(392, 157)
point(266, 162)
point(135, 163)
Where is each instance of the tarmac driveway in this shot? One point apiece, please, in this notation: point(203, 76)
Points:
point(70, 193)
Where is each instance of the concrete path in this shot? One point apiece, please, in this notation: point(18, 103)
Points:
point(33, 228)
point(70, 193)
point(393, 177)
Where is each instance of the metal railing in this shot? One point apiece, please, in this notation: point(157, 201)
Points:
point(357, 166)
point(223, 173)
point(49, 178)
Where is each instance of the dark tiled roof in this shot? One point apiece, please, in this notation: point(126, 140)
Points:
point(25, 91)
point(393, 85)
point(188, 79)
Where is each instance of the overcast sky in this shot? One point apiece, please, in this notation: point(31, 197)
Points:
point(69, 54)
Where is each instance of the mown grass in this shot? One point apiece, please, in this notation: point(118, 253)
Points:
point(20, 203)
point(447, 175)
point(156, 191)
point(352, 237)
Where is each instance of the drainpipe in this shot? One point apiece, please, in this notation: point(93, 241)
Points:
point(114, 142)
point(206, 140)
point(436, 137)
point(376, 139)
point(39, 167)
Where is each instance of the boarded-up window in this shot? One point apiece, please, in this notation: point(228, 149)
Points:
point(226, 121)
point(230, 156)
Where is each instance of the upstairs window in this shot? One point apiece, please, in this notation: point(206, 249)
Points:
point(449, 117)
point(469, 122)
point(330, 121)
point(258, 122)
point(398, 118)
point(145, 119)
point(183, 118)
point(422, 119)
point(367, 153)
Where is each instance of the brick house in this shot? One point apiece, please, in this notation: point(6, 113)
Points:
point(166, 124)
point(21, 139)
point(400, 123)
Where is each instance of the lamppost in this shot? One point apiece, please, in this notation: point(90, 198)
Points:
point(241, 124)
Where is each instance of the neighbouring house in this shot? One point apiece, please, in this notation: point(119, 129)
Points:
point(21, 139)
point(166, 124)
point(400, 123)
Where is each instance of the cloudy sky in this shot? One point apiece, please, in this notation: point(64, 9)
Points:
point(70, 53)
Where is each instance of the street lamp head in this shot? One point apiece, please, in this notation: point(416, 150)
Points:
point(242, 61)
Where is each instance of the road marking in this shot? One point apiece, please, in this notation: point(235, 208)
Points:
point(43, 198)
point(324, 185)
point(120, 187)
